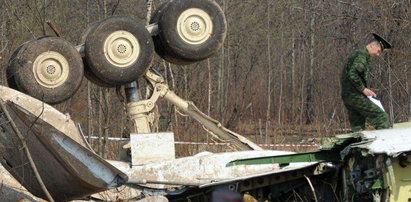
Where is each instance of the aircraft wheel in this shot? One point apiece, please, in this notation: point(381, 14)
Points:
point(119, 50)
point(49, 69)
point(190, 30)
point(87, 71)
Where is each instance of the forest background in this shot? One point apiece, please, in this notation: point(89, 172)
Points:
point(275, 80)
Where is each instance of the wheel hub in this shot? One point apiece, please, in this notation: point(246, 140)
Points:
point(194, 26)
point(121, 48)
point(50, 69)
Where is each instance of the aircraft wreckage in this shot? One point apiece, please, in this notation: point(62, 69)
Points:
point(367, 165)
point(47, 154)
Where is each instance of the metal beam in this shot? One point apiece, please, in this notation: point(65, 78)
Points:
point(319, 156)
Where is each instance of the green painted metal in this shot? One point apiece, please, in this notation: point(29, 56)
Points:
point(319, 156)
point(340, 141)
point(330, 151)
point(377, 184)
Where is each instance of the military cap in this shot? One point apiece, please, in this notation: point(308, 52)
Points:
point(384, 43)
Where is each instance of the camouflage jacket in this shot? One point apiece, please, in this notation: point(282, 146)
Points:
point(355, 75)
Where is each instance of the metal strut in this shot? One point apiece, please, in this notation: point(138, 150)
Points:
point(139, 113)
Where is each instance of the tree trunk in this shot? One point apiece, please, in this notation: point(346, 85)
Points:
point(293, 86)
point(268, 113)
point(209, 88)
point(309, 99)
point(100, 122)
point(221, 81)
point(280, 97)
point(173, 87)
point(106, 121)
point(89, 88)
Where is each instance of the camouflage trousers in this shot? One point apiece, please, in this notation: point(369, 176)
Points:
point(361, 109)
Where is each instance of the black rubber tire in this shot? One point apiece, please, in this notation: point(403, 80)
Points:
point(21, 69)
point(87, 71)
point(176, 50)
point(87, 31)
point(158, 46)
point(11, 70)
point(99, 64)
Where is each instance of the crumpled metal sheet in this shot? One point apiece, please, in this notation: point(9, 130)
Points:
point(69, 170)
point(391, 142)
point(47, 113)
point(285, 169)
point(204, 168)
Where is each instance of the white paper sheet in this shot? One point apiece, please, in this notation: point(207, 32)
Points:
point(377, 102)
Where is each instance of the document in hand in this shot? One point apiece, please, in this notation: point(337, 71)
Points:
point(376, 101)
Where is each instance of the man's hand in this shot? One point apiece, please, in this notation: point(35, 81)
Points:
point(368, 92)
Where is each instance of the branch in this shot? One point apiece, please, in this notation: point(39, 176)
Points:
point(312, 188)
point(350, 4)
point(115, 7)
point(26, 149)
point(51, 25)
point(18, 18)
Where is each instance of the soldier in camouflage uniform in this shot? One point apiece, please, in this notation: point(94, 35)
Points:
point(354, 83)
